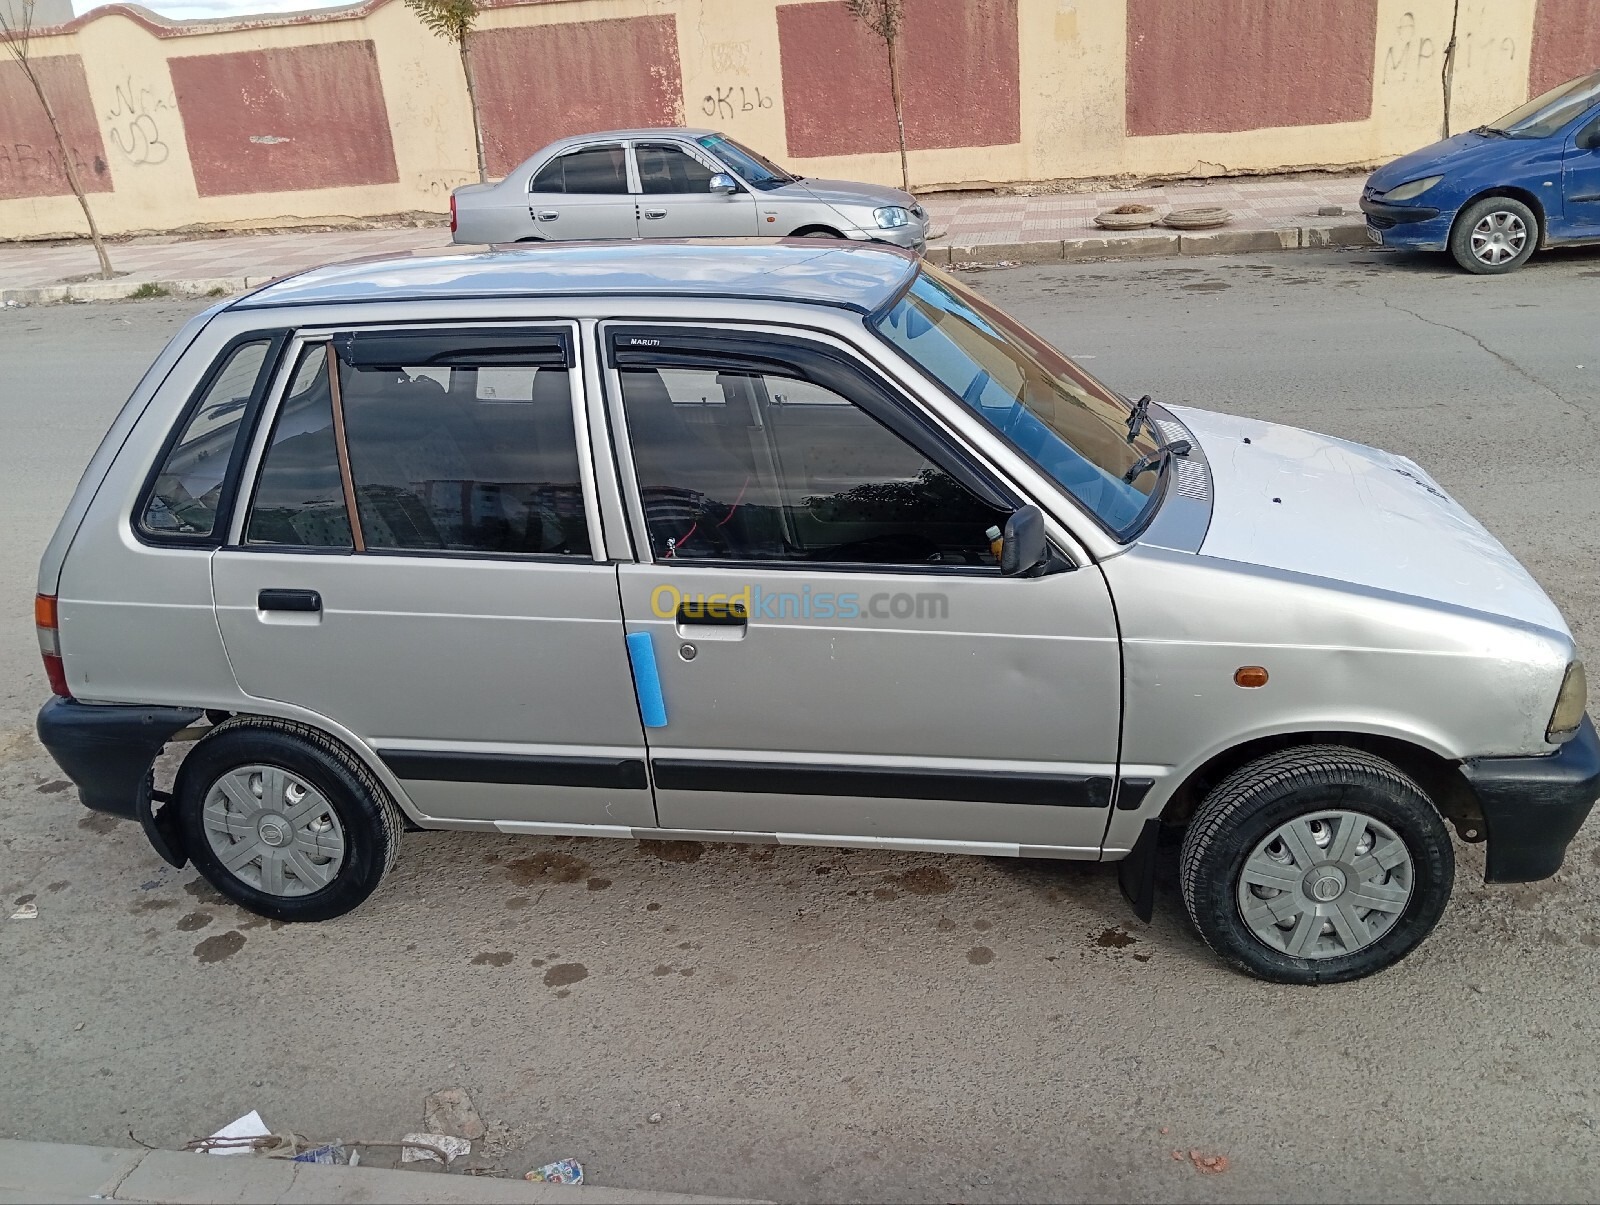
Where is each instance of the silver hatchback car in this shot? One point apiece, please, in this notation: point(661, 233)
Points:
point(780, 542)
point(675, 183)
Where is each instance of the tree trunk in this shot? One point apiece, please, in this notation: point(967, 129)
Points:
point(69, 169)
point(899, 111)
point(472, 103)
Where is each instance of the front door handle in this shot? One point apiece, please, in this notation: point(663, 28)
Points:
point(289, 600)
point(720, 615)
point(655, 213)
point(546, 215)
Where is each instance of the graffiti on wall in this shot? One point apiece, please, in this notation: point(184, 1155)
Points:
point(134, 124)
point(1410, 55)
point(735, 98)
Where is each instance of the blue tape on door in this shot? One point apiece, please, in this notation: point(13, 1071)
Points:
point(646, 680)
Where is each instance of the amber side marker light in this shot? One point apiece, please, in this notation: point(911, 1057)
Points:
point(45, 621)
point(1250, 675)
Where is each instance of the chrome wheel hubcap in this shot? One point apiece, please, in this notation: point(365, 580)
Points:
point(1325, 884)
point(1499, 236)
point(274, 831)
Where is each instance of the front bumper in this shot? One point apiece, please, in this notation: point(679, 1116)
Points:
point(1534, 806)
point(1415, 227)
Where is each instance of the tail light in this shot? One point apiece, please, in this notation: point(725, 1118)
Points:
point(44, 618)
point(452, 213)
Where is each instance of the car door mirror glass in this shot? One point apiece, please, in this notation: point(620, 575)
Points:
point(725, 184)
point(1026, 550)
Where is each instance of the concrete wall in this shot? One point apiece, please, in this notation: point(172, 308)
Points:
point(359, 112)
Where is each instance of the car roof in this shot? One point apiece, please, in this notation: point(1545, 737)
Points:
point(642, 132)
point(851, 275)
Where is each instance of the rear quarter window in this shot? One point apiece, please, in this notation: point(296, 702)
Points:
point(191, 488)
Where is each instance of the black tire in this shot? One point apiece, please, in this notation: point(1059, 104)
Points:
point(369, 820)
point(1514, 212)
point(1254, 802)
point(816, 232)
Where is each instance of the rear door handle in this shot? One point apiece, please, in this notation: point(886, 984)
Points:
point(655, 213)
point(289, 600)
point(716, 621)
point(546, 215)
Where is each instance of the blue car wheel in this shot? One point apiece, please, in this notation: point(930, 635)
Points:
point(1494, 235)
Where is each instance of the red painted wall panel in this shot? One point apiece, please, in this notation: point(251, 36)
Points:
point(279, 120)
point(1213, 66)
point(1566, 42)
point(30, 164)
point(959, 68)
point(544, 82)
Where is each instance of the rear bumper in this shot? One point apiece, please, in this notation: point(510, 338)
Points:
point(107, 749)
point(1534, 806)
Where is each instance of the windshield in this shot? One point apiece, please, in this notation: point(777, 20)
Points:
point(753, 168)
point(1049, 409)
point(1544, 115)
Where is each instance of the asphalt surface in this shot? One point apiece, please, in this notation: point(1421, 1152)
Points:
point(822, 1025)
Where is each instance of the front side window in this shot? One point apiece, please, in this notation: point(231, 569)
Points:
point(1545, 114)
point(187, 493)
point(667, 169)
point(753, 168)
point(1071, 426)
point(596, 170)
point(750, 466)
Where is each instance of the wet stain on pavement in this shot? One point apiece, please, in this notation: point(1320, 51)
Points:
point(256, 922)
point(25, 899)
point(980, 956)
point(652, 907)
point(564, 973)
point(597, 884)
point(674, 851)
point(62, 885)
point(191, 921)
point(498, 958)
point(661, 969)
point(1116, 939)
point(983, 926)
point(54, 788)
point(99, 823)
point(946, 925)
point(885, 893)
point(223, 945)
point(519, 901)
point(558, 867)
point(924, 880)
point(1206, 286)
point(203, 892)
point(150, 906)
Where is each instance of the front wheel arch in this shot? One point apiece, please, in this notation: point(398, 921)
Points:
point(1529, 199)
point(816, 231)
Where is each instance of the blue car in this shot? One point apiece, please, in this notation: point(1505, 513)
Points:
point(1492, 195)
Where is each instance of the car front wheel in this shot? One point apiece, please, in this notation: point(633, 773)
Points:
point(1494, 235)
point(1316, 865)
point(285, 821)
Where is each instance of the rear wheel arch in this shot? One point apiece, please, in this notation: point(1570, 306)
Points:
point(1440, 778)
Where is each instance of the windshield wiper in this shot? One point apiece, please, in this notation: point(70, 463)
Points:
point(1157, 459)
point(1492, 130)
point(1138, 417)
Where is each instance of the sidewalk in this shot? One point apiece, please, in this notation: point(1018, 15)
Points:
point(49, 1171)
point(1268, 215)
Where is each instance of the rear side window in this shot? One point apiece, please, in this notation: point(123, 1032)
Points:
point(185, 498)
point(595, 170)
point(300, 495)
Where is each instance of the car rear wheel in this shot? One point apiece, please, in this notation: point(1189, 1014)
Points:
point(1316, 865)
point(285, 821)
point(1494, 235)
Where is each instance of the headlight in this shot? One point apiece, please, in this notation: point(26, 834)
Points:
point(1564, 720)
point(891, 216)
point(1413, 190)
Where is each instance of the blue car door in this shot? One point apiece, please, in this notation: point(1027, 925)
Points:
point(1580, 179)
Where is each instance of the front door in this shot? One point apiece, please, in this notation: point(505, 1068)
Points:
point(675, 197)
point(1580, 180)
point(584, 194)
point(837, 651)
point(420, 564)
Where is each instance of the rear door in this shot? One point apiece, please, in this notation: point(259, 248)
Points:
point(420, 563)
point(838, 655)
point(584, 194)
point(675, 197)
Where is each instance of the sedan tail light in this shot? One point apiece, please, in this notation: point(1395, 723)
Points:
point(452, 213)
point(48, 625)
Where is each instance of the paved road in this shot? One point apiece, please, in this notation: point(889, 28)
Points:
point(813, 1024)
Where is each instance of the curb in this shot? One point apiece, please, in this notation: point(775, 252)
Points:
point(53, 1171)
point(1144, 246)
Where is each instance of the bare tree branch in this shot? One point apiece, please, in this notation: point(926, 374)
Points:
point(884, 18)
point(454, 21)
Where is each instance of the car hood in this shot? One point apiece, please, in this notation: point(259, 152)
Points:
point(848, 192)
point(1307, 503)
point(1453, 154)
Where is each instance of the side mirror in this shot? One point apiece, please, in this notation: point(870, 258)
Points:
point(1026, 551)
point(724, 184)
